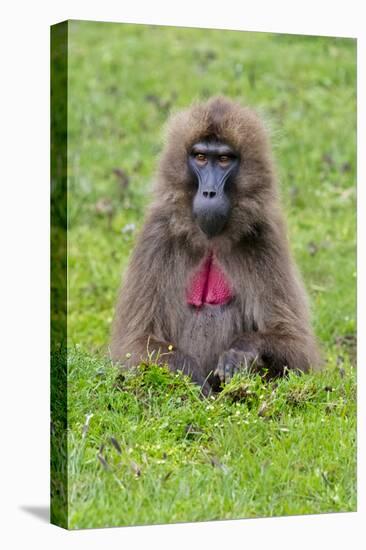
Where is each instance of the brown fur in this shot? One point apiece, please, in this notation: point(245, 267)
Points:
point(269, 310)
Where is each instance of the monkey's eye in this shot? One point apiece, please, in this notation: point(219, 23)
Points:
point(200, 158)
point(224, 160)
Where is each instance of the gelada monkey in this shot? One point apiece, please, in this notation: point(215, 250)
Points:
point(211, 287)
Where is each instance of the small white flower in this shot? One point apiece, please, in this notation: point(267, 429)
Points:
point(128, 228)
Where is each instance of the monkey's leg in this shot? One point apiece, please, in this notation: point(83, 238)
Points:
point(289, 350)
point(148, 348)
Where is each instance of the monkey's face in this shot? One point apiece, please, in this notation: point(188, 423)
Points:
point(213, 166)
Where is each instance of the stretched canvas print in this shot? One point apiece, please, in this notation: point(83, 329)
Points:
point(203, 241)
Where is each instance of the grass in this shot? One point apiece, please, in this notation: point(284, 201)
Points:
point(152, 451)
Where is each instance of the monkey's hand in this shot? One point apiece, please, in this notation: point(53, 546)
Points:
point(235, 360)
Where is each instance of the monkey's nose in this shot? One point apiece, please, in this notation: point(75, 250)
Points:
point(209, 194)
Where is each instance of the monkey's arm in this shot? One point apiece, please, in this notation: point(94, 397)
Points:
point(273, 352)
point(133, 338)
point(285, 339)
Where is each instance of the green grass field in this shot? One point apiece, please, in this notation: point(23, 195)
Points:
point(146, 449)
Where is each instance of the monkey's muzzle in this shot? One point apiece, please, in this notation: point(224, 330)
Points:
point(211, 212)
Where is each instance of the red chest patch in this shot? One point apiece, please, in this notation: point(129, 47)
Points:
point(209, 285)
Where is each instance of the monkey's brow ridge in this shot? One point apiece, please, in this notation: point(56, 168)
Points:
point(216, 148)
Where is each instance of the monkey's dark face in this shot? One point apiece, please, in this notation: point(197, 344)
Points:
point(213, 165)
